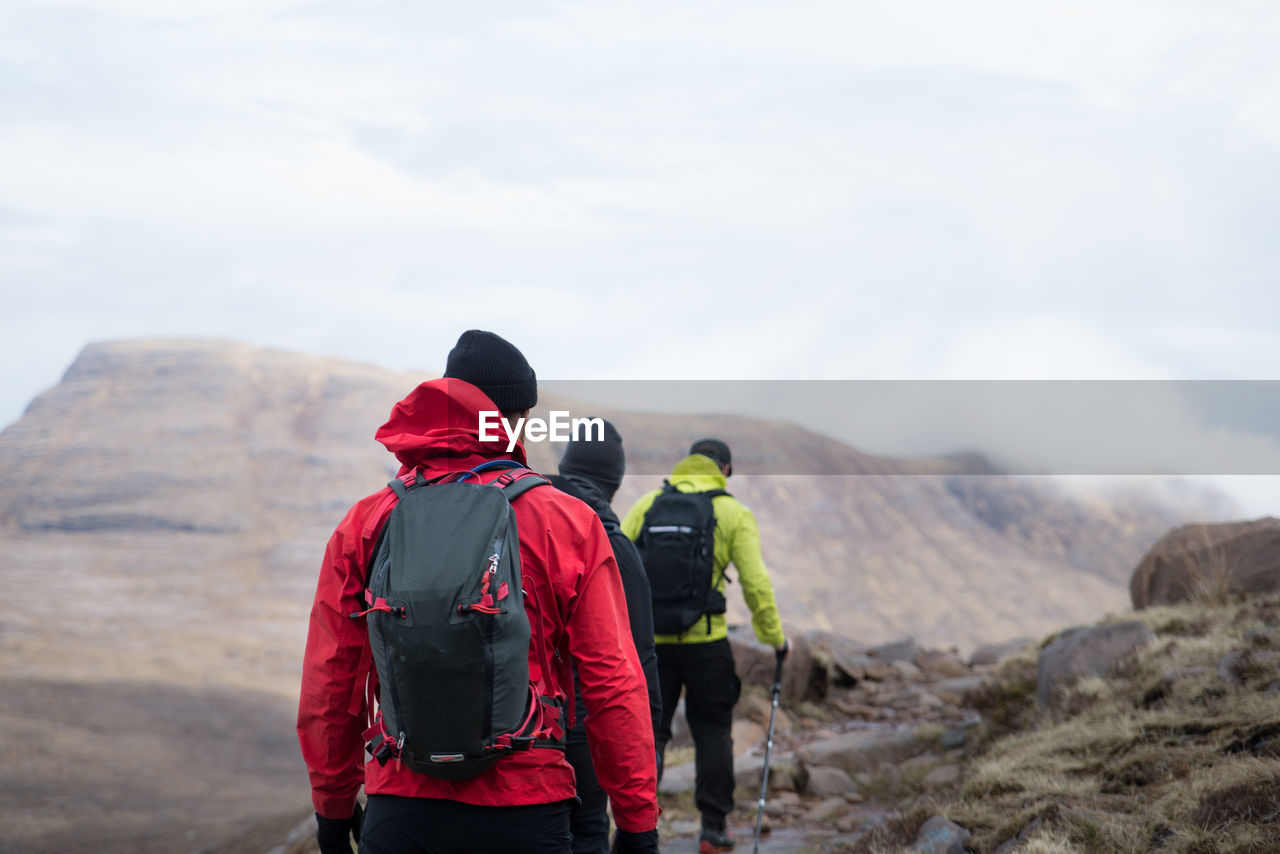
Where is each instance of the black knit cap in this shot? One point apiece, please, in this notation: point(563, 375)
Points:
point(494, 365)
point(715, 449)
point(599, 460)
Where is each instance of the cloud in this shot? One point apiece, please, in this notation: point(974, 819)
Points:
point(826, 191)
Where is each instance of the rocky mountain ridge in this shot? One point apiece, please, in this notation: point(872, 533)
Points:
point(261, 451)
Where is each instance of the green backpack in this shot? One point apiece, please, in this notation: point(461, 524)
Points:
point(448, 632)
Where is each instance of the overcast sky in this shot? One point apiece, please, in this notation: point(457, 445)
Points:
point(802, 190)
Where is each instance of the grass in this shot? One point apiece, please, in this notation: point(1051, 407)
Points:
point(1208, 576)
point(898, 830)
point(1160, 755)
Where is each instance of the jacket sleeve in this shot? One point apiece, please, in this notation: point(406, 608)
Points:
point(757, 590)
point(635, 584)
point(619, 729)
point(331, 713)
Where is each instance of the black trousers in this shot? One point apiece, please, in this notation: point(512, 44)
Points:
point(706, 673)
point(395, 825)
point(590, 821)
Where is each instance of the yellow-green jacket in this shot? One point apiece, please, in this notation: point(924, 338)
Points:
point(737, 541)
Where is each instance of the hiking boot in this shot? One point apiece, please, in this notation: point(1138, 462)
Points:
point(712, 841)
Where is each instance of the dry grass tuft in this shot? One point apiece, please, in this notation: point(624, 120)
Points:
point(1252, 802)
point(898, 831)
point(1208, 579)
point(1007, 700)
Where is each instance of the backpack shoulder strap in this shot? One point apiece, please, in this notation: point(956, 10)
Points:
point(517, 484)
point(401, 485)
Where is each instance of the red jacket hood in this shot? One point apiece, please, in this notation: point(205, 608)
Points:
point(437, 426)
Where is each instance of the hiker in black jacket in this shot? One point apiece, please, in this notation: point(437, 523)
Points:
point(591, 470)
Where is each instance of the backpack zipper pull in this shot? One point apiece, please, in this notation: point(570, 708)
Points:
point(489, 573)
point(399, 747)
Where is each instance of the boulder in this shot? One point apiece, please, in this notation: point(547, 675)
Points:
point(778, 804)
point(828, 782)
point(756, 664)
point(825, 811)
point(991, 653)
point(844, 661)
point(1244, 665)
point(942, 777)
point(862, 750)
point(903, 650)
point(747, 735)
point(1208, 560)
point(940, 836)
point(785, 774)
point(942, 665)
point(758, 709)
point(961, 686)
point(1091, 650)
point(906, 671)
point(1229, 667)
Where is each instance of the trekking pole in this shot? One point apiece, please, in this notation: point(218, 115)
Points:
point(768, 744)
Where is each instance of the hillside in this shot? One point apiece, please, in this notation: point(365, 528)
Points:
point(1175, 748)
point(166, 505)
point(254, 454)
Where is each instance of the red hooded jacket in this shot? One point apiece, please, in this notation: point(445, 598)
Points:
point(575, 605)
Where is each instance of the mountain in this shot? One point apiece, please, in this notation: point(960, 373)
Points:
point(209, 474)
point(164, 509)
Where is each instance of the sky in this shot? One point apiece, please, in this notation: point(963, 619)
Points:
point(649, 191)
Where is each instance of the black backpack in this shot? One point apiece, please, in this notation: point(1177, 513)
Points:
point(677, 543)
point(448, 632)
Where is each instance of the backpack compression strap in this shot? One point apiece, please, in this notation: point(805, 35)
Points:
point(547, 722)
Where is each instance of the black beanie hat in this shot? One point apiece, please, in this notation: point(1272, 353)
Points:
point(716, 450)
point(601, 461)
point(494, 365)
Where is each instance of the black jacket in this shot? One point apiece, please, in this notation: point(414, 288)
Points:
point(635, 585)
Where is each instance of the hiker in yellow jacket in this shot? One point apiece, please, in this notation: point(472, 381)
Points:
point(699, 659)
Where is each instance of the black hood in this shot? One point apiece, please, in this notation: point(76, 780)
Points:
point(589, 493)
point(599, 461)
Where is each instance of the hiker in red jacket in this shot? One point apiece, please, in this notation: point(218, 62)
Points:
point(578, 617)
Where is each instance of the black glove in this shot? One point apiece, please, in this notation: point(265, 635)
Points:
point(781, 651)
point(644, 842)
point(335, 834)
